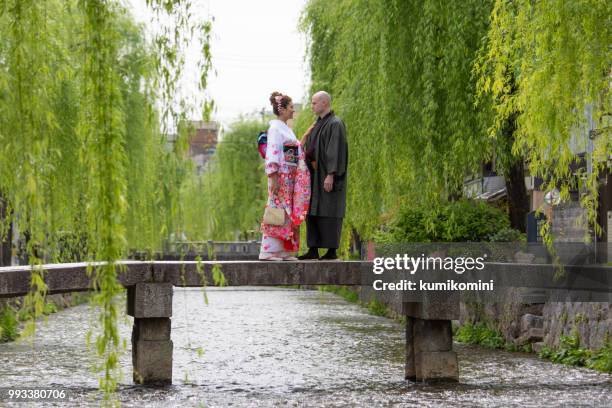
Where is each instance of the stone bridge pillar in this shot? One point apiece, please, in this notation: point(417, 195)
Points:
point(429, 338)
point(151, 306)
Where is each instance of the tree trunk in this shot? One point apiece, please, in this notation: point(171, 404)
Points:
point(518, 202)
point(514, 175)
point(355, 244)
point(5, 239)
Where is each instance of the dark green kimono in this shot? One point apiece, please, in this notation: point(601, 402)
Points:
point(327, 146)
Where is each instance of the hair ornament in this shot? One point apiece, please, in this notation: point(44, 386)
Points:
point(279, 100)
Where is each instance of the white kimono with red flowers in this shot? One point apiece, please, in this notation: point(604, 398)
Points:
point(284, 155)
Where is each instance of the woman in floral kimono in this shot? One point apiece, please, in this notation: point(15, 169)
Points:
point(288, 184)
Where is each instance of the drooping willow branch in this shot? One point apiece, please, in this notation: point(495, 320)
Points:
point(84, 168)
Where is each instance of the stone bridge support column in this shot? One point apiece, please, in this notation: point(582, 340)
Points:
point(429, 353)
point(429, 339)
point(151, 306)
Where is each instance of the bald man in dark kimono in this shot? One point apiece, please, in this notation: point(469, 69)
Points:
point(327, 158)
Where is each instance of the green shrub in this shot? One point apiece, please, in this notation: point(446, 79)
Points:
point(602, 359)
point(508, 235)
point(570, 353)
point(377, 308)
point(71, 247)
point(9, 324)
point(481, 334)
point(343, 291)
point(458, 221)
point(50, 307)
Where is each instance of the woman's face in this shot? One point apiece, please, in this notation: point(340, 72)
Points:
point(286, 113)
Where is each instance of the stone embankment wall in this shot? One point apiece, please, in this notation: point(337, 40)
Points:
point(592, 321)
point(544, 323)
point(523, 323)
point(62, 300)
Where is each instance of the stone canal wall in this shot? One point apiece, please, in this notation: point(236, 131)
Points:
point(521, 322)
point(592, 321)
point(61, 300)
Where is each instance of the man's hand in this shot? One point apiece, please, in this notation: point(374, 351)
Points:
point(328, 183)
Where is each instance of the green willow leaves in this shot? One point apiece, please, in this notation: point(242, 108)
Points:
point(425, 87)
point(548, 62)
point(86, 105)
point(399, 73)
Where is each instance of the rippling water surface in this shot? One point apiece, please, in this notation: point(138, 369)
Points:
point(282, 347)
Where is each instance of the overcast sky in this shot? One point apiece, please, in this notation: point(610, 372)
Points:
point(256, 49)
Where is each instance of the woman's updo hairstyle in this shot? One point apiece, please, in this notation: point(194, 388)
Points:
point(278, 100)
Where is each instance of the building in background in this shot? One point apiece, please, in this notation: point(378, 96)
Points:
point(203, 142)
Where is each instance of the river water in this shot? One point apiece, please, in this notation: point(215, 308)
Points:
point(282, 347)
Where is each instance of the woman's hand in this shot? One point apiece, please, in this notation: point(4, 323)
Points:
point(307, 133)
point(274, 184)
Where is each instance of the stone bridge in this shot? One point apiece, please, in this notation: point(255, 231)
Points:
point(150, 286)
point(429, 353)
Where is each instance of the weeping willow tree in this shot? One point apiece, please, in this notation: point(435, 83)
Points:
point(399, 73)
point(429, 90)
point(231, 191)
point(85, 104)
point(546, 66)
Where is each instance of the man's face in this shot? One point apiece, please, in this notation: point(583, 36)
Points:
point(318, 105)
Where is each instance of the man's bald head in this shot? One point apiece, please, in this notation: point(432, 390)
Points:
point(323, 96)
point(321, 103)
